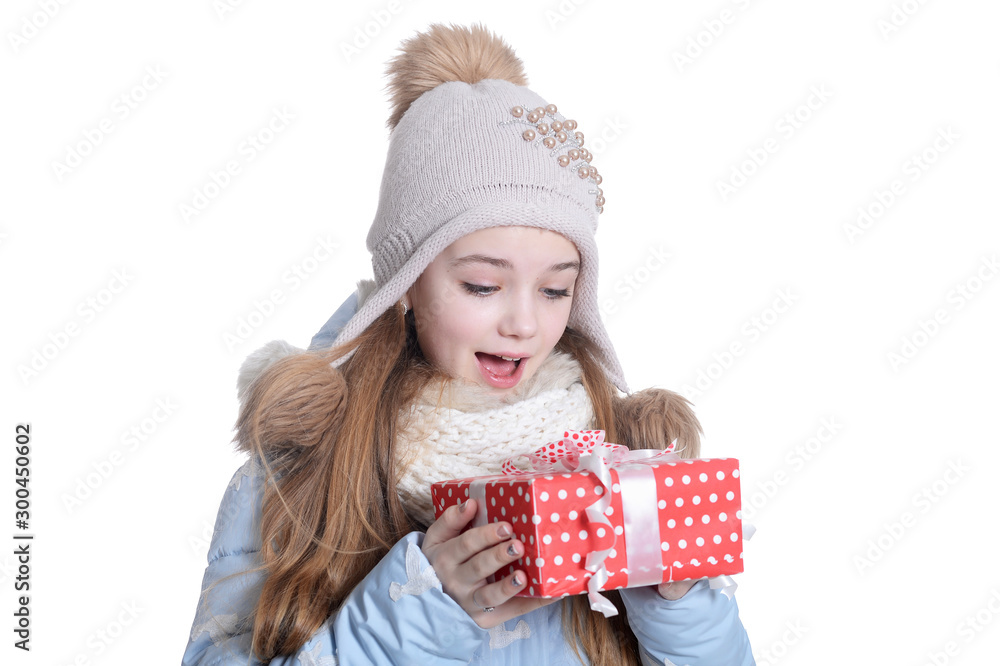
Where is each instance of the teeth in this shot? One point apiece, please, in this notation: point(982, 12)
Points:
point(508, 358)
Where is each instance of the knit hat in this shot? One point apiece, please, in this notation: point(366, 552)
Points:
point(471, 148)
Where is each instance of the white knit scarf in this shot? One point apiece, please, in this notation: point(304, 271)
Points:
point(457, 429)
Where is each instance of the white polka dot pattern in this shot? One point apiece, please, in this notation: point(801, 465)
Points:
point(698, 502)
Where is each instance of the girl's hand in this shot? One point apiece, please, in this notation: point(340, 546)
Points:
point(463, 561)
point(676, 590)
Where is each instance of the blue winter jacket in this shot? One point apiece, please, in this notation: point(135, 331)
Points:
point(399, 614)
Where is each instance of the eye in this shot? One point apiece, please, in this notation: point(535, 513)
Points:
point(478, 290)
point(556, 294)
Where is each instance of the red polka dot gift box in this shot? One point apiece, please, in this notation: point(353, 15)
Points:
point(596, 516)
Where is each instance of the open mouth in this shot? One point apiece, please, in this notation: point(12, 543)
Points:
point(500, 371)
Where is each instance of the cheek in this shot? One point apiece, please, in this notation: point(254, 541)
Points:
point(447, 338)
point(556, 321)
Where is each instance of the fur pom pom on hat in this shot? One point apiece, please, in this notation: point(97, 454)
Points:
point(472, 148)
point(445, 54)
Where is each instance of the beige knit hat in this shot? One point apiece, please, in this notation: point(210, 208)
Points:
point(473, 148)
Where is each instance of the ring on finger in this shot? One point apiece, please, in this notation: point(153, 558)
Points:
point(485, 609)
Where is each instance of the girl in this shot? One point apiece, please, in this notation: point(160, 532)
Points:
point(479, 339)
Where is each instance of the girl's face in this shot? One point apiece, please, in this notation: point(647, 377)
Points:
point(494, 293)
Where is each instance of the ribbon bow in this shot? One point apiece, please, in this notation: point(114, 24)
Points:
point(586, 450)
point(565, 455)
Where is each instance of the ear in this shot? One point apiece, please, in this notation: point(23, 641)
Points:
point(654, 417)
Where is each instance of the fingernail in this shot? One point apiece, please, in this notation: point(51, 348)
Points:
point(461, 507)
point(512, 550)
point(503, 531)
point(516, 582)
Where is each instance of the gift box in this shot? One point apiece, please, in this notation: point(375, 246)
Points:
point(596, 516)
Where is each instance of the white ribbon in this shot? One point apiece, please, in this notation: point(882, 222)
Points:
point(641, 524)
point(477, 491)
point(599, 461)
point(641, 500)
point(637, 485)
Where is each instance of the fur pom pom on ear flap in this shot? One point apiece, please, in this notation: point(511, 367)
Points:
point(298, 402)
point(256, 363)
point(443, 54)
point(652, 418)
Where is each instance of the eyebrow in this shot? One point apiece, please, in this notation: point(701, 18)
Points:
point(506, 265)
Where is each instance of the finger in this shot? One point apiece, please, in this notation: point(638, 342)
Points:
point(676, 590)
point(450, 524)
point(488, 562)
point(474, 543)
point(501, 597)
point(479, 605)
point(492, 595)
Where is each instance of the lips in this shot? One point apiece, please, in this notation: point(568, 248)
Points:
point(499, 372)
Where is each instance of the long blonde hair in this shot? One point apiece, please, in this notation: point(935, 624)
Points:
point(330, 511)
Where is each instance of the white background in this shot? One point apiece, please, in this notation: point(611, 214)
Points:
point(847, 552)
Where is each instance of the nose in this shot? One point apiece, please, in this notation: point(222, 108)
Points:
point(520, 317)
